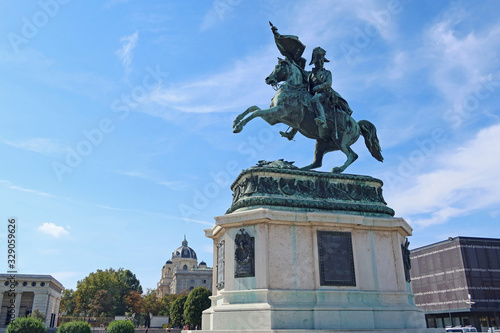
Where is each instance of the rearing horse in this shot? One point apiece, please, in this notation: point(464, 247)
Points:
point(291, 106)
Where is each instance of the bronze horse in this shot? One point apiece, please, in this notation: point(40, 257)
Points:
point(291, 106)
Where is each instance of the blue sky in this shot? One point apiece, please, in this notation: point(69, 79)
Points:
point(116, 131)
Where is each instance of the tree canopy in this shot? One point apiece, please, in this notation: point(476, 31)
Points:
point(102, 293)
point(177, 310)
point(68, 302)
point(197, 301)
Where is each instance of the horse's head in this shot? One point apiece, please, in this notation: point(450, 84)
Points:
point(288, 72)
point(280, 73)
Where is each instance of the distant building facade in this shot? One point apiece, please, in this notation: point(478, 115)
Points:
point(182, 273)
point(32, 292)
point(457, 282)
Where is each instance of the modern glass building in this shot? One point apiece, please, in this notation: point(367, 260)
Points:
point(457, 282)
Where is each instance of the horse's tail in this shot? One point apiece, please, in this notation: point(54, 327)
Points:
point(369, 132)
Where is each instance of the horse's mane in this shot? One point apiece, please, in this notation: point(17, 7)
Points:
point(302, 71)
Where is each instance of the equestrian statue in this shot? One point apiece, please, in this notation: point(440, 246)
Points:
point(306, 101)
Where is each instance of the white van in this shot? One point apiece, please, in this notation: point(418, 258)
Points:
point(460, 329)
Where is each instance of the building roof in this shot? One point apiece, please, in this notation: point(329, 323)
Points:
point(34, 277)
point(184, 252)
point(455, 239)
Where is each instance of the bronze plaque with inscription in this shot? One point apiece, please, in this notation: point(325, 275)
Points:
point(336, 262)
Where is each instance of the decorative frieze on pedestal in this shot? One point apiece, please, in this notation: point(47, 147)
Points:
point(287, 188)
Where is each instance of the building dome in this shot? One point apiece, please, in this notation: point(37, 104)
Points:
point(184, 252)
point(169, 262)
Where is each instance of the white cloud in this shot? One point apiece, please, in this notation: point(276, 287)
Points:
point(236, 88)
point(467, 179)
point(242, 85)
point(53, 230)
point(460, 62)
point(18, 188)
point(43, 146)
point(125, 52)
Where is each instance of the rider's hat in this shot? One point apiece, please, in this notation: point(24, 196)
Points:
point(317, 53)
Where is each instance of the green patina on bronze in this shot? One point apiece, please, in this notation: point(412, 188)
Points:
point(307, 103)
point(280, 185)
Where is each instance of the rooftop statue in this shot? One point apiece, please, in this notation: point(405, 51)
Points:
point(307, 103)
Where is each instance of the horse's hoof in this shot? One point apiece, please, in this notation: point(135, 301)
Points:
point(237, 129)
point(337, 170)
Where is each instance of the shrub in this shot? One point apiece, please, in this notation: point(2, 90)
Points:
point(75, 327)
point(26, 325)
point(121, 326)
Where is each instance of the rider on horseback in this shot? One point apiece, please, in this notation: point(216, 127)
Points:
point(303, 93)
point(320, 85)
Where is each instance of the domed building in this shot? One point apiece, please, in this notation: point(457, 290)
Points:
point(183, 273)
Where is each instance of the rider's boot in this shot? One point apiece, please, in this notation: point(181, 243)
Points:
point(321, 118)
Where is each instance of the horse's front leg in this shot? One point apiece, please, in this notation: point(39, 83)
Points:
point(244, 113)
point(259, 113)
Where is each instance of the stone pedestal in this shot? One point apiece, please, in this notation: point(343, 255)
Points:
point(308, 251)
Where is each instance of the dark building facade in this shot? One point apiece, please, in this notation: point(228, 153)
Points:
point(457, 282)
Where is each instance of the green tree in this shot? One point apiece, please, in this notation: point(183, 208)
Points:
point(129, 283)
point(75, 327)
point(26, 325)
point(167, 301)
point(197, 301)
point(134, 302)
point(117, 283)
point(121, 326)
point(102, 304)
point(151, 303)
point(177, 310)
point(68, 302)
point(38, 315)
